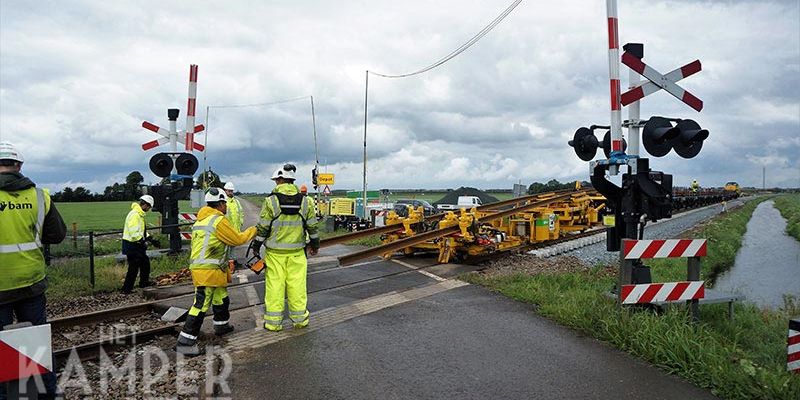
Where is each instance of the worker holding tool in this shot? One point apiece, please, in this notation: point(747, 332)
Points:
point(211, 235)
point(286, 217)
point(28, 220)
point(134, 244)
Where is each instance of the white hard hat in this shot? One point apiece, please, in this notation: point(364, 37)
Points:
point(9, 152)
point(229, 186)
point(214, 195)
point(285, 172)
point(148, 199)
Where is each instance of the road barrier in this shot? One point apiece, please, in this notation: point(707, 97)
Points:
point(793, 347)
point(691, 290)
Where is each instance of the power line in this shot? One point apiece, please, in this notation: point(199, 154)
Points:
point(459, 49)
point(271, 103)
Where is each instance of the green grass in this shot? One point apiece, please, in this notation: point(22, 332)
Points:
point(369, 241)
point(742, 359)
point(70, 277)
point(104, 215)
point(789, 206)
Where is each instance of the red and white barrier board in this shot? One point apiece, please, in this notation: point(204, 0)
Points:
point(662, 292)
point(187, 217)
point(669, 248)
point(793, 347)
point(25, 352)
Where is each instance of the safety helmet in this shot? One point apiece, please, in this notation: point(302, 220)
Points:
point(9, 152)
point(285, 172)
point(214, 195)
point(229, 186)
point(148, 199)
point(303, 188)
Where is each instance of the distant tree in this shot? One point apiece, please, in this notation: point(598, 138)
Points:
point(82, 194)
point(135, 178)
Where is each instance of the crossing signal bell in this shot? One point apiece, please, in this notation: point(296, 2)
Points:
point(585, 143)
point(685, 137)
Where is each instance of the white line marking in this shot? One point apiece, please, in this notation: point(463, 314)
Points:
point(423, 272)
point(252, 300)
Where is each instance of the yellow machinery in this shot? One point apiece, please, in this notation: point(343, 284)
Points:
point(579, 213)
point(732, 187)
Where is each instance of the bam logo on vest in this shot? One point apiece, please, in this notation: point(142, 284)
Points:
point(15, 206)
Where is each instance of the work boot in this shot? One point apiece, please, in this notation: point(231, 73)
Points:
point(221, 330)
point(273, 328)
point(190, 351)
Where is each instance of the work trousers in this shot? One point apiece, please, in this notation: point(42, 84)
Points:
point(205, 297)
point(138, 263)
point(286, 279)
point(33, 310)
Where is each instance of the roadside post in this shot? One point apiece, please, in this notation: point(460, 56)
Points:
point(25, 353)
point(793, 347)
point(691, 290)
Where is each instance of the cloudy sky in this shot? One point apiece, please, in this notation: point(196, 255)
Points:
point(77, 78)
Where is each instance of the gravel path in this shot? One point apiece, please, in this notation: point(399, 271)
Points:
point(595, 254)
point(85, 304)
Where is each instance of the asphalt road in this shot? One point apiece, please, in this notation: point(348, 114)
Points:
point(465, 343)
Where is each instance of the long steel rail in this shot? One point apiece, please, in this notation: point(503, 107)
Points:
point(391, 247)
point(436, 217)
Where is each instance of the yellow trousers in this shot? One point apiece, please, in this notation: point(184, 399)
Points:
point(285, 279)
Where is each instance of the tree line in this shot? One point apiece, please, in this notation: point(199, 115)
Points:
point(552, 185)
point(129, 190)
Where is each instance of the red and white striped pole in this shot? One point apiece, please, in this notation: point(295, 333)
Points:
point(793, 347)
point(190, 108)
point(613, 72)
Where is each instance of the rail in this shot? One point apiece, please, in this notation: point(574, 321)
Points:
point(391, 247)
point(436, 217)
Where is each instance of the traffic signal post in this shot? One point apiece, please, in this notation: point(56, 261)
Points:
point(644, 194)
point(178, 167)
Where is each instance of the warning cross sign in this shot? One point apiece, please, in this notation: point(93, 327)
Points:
point(25, 352)
point(659, 81)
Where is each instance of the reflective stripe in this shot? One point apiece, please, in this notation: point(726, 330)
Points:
point(275, 245)
point(221, 322)
point(304, 206)
point(40, 217)
point(312, 221)
point(260, 238)
point(204, 250)
point(188, 336)
point(273, 314)
point(207, 228)
point(290, 206)
point(14, 248)
point(207, 261)
point(280, 223)
point(276, 206)
point(313, 235)
point(263, 222)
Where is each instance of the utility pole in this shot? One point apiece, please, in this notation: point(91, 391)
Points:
point(764, 178)
point(316, 148)
point(366, 96)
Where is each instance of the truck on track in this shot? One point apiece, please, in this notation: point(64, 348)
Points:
point(463, 202)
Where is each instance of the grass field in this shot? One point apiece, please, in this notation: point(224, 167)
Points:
point(789, 206)
point(740, 359)
point(104, 215)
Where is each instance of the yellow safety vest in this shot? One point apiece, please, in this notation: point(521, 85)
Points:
point(287, 231)
point(235, 215)
point(21, 220)
point(208, 254)
point(134, 224)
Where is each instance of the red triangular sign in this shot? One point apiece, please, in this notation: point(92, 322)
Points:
point(17, 365)
point(326, 191)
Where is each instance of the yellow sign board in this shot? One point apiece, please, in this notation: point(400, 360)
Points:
point(609, 220)
point(325, 179)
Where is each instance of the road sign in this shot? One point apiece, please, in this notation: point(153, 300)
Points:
point(326, 190)
point(25, 352)
point(172, 135)
point(325, 179)
point(659, 81)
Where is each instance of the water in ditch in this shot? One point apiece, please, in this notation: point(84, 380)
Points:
point(767, 266)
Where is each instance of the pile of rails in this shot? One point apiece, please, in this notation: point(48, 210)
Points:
point(685, 198)
point(489, 229)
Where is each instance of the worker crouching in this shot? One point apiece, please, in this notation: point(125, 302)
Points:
point(211, 235)
point(287, 219)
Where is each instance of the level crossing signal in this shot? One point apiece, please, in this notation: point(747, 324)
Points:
point(685, 137)
point(585, 143)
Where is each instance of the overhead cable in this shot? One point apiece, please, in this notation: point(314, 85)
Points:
point(459, 49)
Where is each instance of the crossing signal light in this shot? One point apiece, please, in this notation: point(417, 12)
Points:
point(314, 177)
point(161, 165)
point(186, 164)
point(585, 143)
point(660, 136)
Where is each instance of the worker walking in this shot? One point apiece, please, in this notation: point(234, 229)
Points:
point(211, 235)
point(134, 244)
point(28, 220)
point(286, 217)
point(695, 186)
